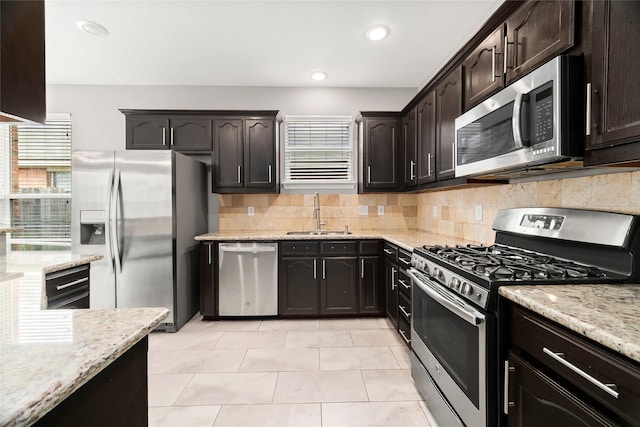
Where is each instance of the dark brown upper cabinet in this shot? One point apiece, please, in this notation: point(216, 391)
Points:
point(22, 56)
point(380, 153)
point(483, 69)
point(426, 126)
point(184, 133)
point(410, 149)
point(613, 106)
point(536, 32)
point(243, 159)
point(448, 108)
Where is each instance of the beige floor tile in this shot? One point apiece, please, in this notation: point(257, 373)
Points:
point(280, 359)
point(373, 414)
point(252, 340)
point(289, 325)
point(229, 388)
point(339, 338)
point(201, 340)
point(195, 361)
point(165, 389)
point(334, 359)
point(427, 413)
point(307, 415)
point(346, 324)
point(311, 387)
point(375, 338)
point(390, 385)
point(180, 416)
point(197, 324)
point(385, 323)
point(402, 354)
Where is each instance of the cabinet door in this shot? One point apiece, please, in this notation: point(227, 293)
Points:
point(448, 108)
point(483, 69)
point(381, 151)
point(369, 285)
point(338, 289)
point(537, 400)
point(615, 114)
point(410, 148)
point(536, 32)
point(259, 154)
point(191, 133)
point(208, 291)
point(426, 113)
point(147, 132)
point(298, 286)
point(391, 291)
point(227, 154)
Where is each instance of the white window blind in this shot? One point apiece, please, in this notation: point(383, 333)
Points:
point(318, 150)
point(39, 164)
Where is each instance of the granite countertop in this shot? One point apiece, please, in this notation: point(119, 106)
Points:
point(407, 239)
point(46, 355)
point(10, 229)
point(607, 314)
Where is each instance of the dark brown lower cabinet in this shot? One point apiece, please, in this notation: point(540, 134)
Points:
point(338, 288)
point(208, 279)
point(369, 285)
point(298, 286)
point(68, 288)
point(391, 291)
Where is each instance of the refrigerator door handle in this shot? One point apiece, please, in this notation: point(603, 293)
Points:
point(107, 224)
point(114, 217)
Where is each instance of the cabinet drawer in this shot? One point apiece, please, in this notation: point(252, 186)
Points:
point(300, 247)
point(390, 252)
point(404, 284)
point(404, 329)
point(369, 247)
point(68, 288)
point(576, 359)
point(404, 307)
point(404, 259)
point(338, 248)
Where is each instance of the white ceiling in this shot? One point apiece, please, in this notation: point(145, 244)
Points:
point(257, 43)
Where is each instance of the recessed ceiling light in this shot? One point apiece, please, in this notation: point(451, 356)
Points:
point(318, 76)
point(92, 28)
point(377, 32)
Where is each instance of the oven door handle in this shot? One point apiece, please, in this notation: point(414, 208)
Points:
point(462, 310)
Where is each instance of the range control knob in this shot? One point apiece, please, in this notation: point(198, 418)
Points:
point(466, 289)
point(454, 283)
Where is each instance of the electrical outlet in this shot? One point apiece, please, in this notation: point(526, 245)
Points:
point(251, 211)
point(435, 211)
point(478, 212)
point(363, 210)
point(380, 210)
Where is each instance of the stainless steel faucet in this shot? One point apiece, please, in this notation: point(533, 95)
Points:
point(316, 211)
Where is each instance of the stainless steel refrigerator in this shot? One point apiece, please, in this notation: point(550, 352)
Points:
point(141, 210)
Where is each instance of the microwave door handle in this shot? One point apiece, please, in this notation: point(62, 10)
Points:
point(515, 121)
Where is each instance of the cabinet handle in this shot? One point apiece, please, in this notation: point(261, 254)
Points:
point(404, 336)
point(403, 283)
point(404, 311)
point(368, 174)
point(428, 164)
point(171, 139)
point(164, 136)
point(404, 261)
point(388, 251)
point(362, 268)
point(269, 174)
point(413, 172)
point(588, 118)
point(68, 285)
point(507, 404)
point(506, 43)
point(493, 64)
point(393, 278)
point(210, 254)
point(559, 357)
point(239, 172)
point(323, 269)
point(315, 269)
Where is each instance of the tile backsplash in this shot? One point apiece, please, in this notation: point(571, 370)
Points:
point(455, 210)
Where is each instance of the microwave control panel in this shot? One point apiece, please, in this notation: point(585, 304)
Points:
point(542, 128)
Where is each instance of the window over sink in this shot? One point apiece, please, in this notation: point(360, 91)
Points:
point(318, 152)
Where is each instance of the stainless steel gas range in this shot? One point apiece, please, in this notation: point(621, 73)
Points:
point(455, 323)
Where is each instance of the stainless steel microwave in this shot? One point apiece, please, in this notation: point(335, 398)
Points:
point(535, 121)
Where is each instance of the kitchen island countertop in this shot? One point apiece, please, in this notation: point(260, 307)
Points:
point(607, 314)
point(46, 355)
point(407, 239)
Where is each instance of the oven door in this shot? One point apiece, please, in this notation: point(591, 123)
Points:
point(449, 337)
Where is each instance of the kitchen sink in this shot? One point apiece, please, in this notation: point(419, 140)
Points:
point(318, 232)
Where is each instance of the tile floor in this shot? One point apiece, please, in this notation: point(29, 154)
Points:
point(337, 372)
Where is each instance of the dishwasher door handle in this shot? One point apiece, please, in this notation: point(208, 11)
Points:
point(247, 250)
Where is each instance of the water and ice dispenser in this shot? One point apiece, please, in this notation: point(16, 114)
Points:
point(92, 227)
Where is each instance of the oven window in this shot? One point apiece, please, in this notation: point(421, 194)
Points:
point(453, 341)
point(487, 137)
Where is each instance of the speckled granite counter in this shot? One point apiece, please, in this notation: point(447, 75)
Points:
point(403, 238)
point(46, 355)
point(607, 314)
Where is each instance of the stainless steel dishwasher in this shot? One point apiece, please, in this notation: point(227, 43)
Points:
point(248, 279)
